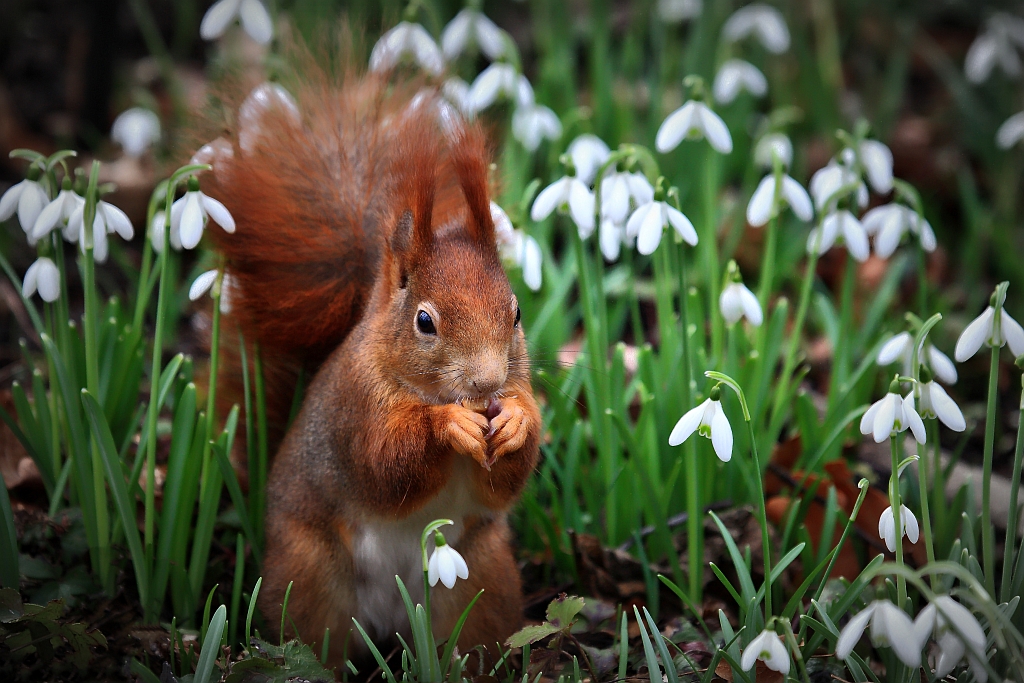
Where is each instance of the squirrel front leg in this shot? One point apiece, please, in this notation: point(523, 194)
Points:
point(513, 439)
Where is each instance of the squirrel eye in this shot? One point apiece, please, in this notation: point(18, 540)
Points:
point(424, 323)
point(519, 315)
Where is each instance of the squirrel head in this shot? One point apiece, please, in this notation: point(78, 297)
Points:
point(451, 330)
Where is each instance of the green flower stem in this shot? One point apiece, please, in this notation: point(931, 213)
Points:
point(988, 536)
point(1012, 518)
point(211, 394)
point(710, 239)
point(841, 357)
point(896, 503)
point(92, 380)
point(922, 480)
point(765, 545)
point(764, 287)
point(695, 514)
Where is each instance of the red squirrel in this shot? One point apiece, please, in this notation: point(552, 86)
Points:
point(365, 245)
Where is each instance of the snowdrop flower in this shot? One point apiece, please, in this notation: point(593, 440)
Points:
point(135, 130)
point(156, 228)
point(588, 153)
point(841, 226)
point(890, 627)
point(936, 403)
point(891, 415)
point(735, 75)
point(770, 146)
point(769, 649)
point(496, 80)
point(255, 20)
point(214, 152)
point(43, 277)
point(708, 420)
point(737, 301)
point(900, 347)
point(206, 282)
point(998, 44)
point(407, 40)
point(611, 236)
point(887, 527)
point(675, 11)
point(958, 633)
point(517, 247)
point(876, 158)
point(264, 99)
point(618, 188)
point(57, 213)
point(647, 222)
point(992, 327)
point(567, 193)
point(108, 219)
point(533, 123)
point(694, 120)
point(26, 198)
point(190, 213)
point(764, 22)
point(446, 564)
point(1011, 132)
point(830, 179)
point(888, 223)
point(763, 206)
point(472, 26)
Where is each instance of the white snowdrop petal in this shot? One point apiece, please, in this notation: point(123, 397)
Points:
point(426, 51)
point(47, 279)
point(731, 304)
point(650, 231)
point(217, 18)
point(549, 199)
point(614, 198)
point(759, 210)
point(489, 84)
point(854, 235)
point(461, 569)
point(681, 223)
point(867, 420)
point(851, 633)
point(888, 239)
point(201, 285)
point(912, 419)
point(432, 570)
point(910, 522)
point(772, 31)
point(727, 83)
point(927, 236)
point(721, 435)
point(610, 236)
point(715, 130)
point(9, 201)
point(116, 220)
point(99, 239)
point(639, 188)
point(778, 656)
point(946, 409)
point(135, 129)
point(581, 207)
point(30, 282)
point(455, 36)
point(47, 219)
point(192, 219)
point(797, 198)
point(887, 529)
point(941, 365)
point(877, 160)
point(894, 349)
point(32, 200)
point(493, 41)
point(753, 650)
point(974, 335)
point(256, 21)
point(1011, 132)
point(771, 145)
point(389, 48)
point(637, 218)
point(885, 418)
point(898, 625)
point(1012, 333)
point(532, 258)
point(981, 57)
point(687, 424)
point(675, 127)
point(588, 153)
point(751, 306)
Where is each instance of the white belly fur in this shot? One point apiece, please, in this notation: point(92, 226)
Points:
point(383, 548)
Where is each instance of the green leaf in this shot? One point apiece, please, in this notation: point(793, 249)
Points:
point(211, 646)
point(563, 610)
point(531, 634)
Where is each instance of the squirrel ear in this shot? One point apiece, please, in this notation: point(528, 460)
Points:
point(410, 241)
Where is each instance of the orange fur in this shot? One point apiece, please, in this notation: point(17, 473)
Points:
point(348, 225)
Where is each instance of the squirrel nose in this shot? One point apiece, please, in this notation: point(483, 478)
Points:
point(486, 375)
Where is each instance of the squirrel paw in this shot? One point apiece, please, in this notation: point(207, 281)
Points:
point(508, 431)
point(465, 431)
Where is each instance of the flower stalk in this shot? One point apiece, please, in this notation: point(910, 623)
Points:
point(1014, 516)
point(897, 512)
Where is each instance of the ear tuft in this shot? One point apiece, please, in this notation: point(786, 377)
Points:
point(469, 157)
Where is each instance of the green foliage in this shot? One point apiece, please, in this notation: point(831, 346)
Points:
point(561, 615)
point(36, 639)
